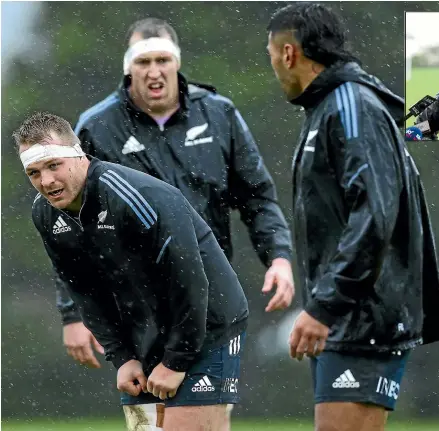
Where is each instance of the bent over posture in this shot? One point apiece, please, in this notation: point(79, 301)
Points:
point(149, 279)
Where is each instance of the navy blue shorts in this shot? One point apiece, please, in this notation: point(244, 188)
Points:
point(213, 379)
point(366, 378)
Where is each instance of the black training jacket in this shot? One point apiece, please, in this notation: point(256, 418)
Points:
point(364, 241)
point(205, 150)
point(144, 269)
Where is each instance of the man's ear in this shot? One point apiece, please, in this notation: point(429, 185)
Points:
point(289, 55)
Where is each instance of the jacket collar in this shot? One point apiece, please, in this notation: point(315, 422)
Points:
point(329, 79)
point(341, 72)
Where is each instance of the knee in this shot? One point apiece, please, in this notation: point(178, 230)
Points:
point(326, 426)
point(330, 417)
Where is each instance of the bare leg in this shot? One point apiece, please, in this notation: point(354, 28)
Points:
point(195, 418)
point(345, 416)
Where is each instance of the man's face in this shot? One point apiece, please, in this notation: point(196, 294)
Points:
point(282, 61)
point(59, 180)
point(154, 78)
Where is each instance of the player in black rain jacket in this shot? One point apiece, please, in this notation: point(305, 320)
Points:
point(205, 149)
point(149, 278)
point(361, 223)
point(365, 248)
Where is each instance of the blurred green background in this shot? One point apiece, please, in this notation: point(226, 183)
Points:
point(424, 81)
point(67, 56)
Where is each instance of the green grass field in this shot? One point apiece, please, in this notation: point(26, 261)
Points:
point(423, 81)
point(261, 425)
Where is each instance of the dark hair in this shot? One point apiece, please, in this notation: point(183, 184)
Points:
point(39, 126)
point(152, 27)
point(318, 29)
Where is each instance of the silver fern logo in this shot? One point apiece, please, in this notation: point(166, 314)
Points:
point(102, 216)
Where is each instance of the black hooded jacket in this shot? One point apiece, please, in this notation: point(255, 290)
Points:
point(144, 269)
point(206, 150)
point(362, 232)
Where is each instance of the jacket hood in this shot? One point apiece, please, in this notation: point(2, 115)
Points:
point(338, 74)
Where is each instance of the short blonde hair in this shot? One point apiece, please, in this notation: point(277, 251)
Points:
point(40, 125)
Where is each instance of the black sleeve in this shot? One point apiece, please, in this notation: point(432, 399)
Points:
point(365, 164)
point(176, 254)
point(253, 192)
point(64, 303)
point(98, 311)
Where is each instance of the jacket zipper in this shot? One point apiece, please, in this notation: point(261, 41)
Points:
point(79, 216)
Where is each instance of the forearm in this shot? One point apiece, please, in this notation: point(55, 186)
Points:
point(268, 229)
point(188, 296)
point(65, 304)
point(189, 311)
point(101, 317)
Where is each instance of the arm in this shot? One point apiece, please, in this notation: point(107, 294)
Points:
point(253, 192)
point(369, 176)
point(100, 315)
point(64, 303)
point(77, 339)
point(175, 253)
point(188, 285)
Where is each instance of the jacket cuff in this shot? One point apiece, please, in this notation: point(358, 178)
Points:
point(179, 362)
point(320, 313)
point(288, 255)
point(70, 316)
point(120, 357)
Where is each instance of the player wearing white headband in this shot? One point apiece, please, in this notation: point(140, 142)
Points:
point(147, 275)
point(152, 63)
point(196, 140)
point(55, 164)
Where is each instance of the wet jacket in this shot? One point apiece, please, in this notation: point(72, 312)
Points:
point(144, 269)
point(365, 247)
point(206, 150)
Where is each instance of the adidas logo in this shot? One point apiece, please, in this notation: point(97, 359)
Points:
point(346, 380)
point(132, 146)
point(61, 226)
point(203, 385)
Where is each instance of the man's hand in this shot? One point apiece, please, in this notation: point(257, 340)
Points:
point(280, 274)
point(308, 336)
point(163, 382)
point(79, 341)
point(131, 378)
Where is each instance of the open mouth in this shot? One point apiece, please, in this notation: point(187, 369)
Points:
point(155, 88)
point(55, 193)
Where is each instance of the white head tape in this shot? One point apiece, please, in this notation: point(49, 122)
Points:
point(39, 152)
point(149, 45)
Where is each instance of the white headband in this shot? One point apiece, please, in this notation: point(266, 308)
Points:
point(39, 152)
point(149, 45)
